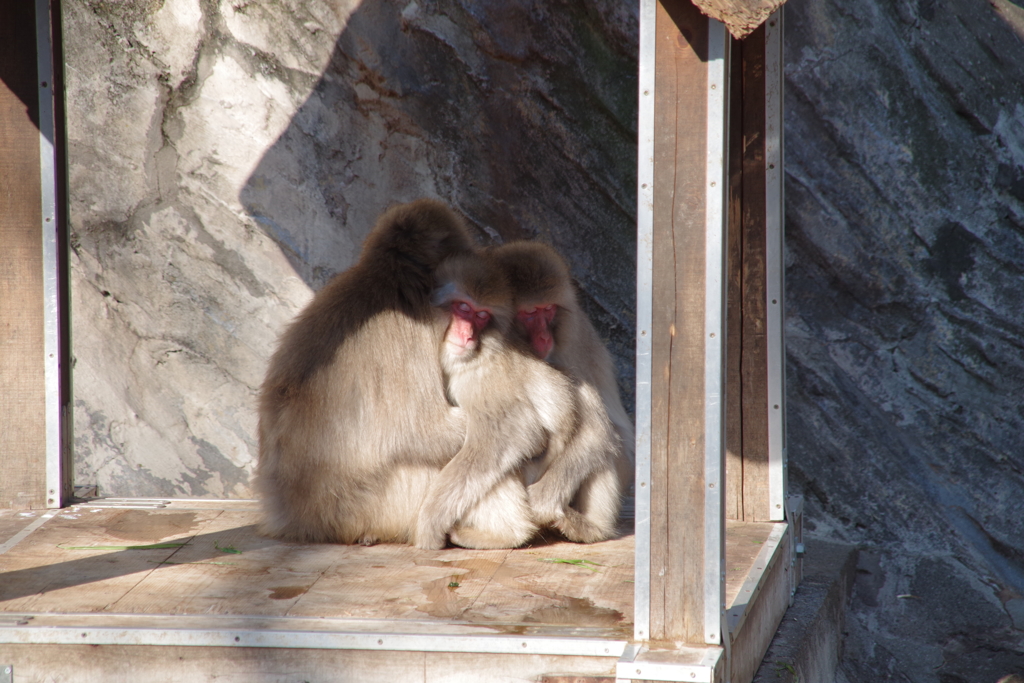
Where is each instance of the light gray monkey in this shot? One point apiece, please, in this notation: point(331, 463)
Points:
point(516, 407)
point(549, 316)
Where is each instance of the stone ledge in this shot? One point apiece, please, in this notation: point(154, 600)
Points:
point(808, 644)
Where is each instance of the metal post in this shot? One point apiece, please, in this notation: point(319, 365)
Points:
point(715, 300)
point(775, 267)
point(56, 469)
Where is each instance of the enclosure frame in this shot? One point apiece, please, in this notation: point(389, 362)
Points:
point(696, 88)
point(687, 60)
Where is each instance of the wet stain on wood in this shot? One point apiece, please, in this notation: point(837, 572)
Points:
point(444, 601)
point(575, 612)
point(287, 592)
point(145, 525)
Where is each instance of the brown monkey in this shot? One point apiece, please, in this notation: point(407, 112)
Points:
point(516, 407)
point(353, 418)
point(549, 316)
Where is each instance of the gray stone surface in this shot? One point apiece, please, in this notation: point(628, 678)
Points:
point(809, 642)
point(227, 158)
point(905, 251)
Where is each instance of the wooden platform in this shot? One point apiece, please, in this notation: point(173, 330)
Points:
point(81, 600)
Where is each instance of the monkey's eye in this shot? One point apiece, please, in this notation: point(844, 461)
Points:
point(530, 311)
point(464, 307)
point(483, 315)
point(548, 307)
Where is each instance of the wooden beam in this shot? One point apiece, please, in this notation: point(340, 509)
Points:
point(22, 387)
point(734, 351)
point(687, 325)
point(34, 461)
point(756, 476)
point(754, 375)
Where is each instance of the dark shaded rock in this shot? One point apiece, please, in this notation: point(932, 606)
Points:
point(905, 256)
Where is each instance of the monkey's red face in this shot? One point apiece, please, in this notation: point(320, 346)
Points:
point(467, 322)
point(537, 320)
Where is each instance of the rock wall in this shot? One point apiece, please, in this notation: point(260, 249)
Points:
point(227, 158)
point(905, 256)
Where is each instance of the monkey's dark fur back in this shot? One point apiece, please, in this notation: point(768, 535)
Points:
point(353, 419)
point(395, 270)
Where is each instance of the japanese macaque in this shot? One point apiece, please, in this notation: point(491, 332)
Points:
point(549, 316)
point(353, 418)
point(516, 407)
point(401, 405)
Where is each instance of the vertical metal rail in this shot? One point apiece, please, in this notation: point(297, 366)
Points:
point(774, 266)
point(55, 473)
point(715, 301)
point(644, 299)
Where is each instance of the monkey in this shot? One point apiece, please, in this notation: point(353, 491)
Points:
point(516, 407)
point(356, 417)
point(353, 421)
point(549, 316)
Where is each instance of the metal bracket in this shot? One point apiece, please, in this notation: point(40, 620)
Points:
point(6, 673)
point(693, 664)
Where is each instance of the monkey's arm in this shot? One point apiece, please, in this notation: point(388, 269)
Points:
point(591, 448)
point(496, 443)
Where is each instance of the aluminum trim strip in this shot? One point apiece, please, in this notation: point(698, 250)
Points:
point(635, 666)
point(774, 265)
point(48, 230)
point(644, 294)
point(313, 640)
point(715, 328)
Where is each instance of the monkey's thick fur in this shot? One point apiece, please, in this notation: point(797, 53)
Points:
point(539, 276)
point(516, 406)
point(363, 438)
point(353, 418)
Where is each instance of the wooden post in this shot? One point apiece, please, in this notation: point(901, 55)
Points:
point(680, 498)
point(34, 382)
point(756, 438)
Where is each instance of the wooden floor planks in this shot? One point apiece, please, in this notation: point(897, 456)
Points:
point(78, 562)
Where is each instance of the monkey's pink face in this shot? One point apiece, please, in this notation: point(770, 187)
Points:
point(467, 322)
point(537, 320)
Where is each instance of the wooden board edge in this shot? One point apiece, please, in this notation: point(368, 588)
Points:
point(754, 634)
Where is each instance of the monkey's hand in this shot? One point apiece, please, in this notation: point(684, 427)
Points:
point(547, 502)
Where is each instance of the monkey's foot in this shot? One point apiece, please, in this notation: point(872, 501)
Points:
point(548, 508)
point(576, 527)
point(430, 540)
point(515, 534)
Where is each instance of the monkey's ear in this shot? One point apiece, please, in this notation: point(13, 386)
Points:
point(443, 294)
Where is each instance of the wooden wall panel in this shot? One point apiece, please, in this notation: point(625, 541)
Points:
point(22, 386)
point(677, 382)
point(766, 612)
point(756, 501)
point(734, 314)
point(748, 475)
